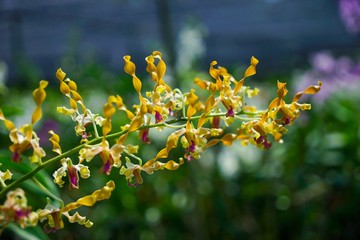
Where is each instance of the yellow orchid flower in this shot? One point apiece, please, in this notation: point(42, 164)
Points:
point(72, 170)
point(24, 137)
point(134, 170)
point(110, 156)
point(54, 214)
point(7, 175)
point(16, 209)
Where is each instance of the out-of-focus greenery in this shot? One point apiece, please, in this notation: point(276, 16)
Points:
point(306, 188)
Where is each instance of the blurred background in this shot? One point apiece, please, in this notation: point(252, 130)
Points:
point(306, 188)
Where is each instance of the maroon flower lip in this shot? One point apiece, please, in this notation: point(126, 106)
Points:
point(230, 112)
point(158, 117)
point(73, 177)
point(107, 167)
point(145, 135)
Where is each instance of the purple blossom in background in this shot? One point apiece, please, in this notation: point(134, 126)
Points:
point(338, 75)
point(43, 133)
point(350, 14)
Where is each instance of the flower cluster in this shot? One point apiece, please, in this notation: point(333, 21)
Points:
point(24, 137)
point(197, 125)
point(16, 209)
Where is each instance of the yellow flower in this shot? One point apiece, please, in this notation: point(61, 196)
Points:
point(231, 92)
point(83, 120)
point(54, 214)
point(7, 175)
point(110, 156)
point(274, 121)
point(69, 89)
point(16, 209)
point(290, 111)
point(24, 137)
point(160, 103)
point(134, 170)
point(55, 140)
point(72, 170)
point(195, 141)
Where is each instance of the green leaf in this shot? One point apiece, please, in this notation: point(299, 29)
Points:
point(19, 169)
point(30, 233)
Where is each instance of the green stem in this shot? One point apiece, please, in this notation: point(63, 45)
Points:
point(174, 126)
point(246, 118)
point(2, 183)
point(76, 149)
point(42, 187)
point(182, 101)
point(95, 128)
point(35, 170)
point(134, 156)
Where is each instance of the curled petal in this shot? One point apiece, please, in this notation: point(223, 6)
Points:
point(252, 92)
point(251, 70)
point(309, 90)
point(137, 84)
point(5, 176)
point(73, 104)
point(38, 151)
point(135, 123)
point(106, 128)
point(171, 143)
point(60, 173)
point(39, 96)
point(73, 87)
point(228, 138)
point(76, 96)
point(150, 68)
point(84, 171)
point(191, 111)
point(64, 88)
point(161, 67)
point(129, 67)
point(60, 74)
point(55, 140)
point(213, 71)
point(209, 105)
point(77, 218)
point(131, 170)
point(67, 111)
point(191, 98)
point(282, 91)
point(8, 124)
point(90, 200)
point(212, 142)
point(109, 109)
point(201, 83)
point(172, 165)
